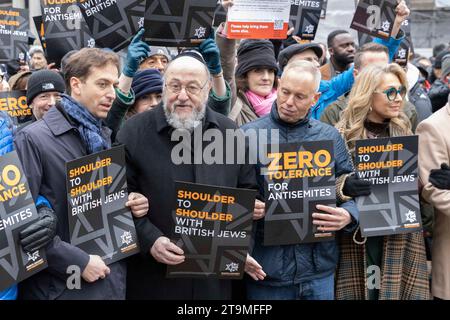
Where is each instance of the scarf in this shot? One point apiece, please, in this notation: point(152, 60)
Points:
point(261, 105)
point(95, 136)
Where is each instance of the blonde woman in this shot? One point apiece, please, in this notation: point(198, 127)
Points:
point(375, 110)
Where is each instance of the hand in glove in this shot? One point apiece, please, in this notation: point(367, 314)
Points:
point(138, 51)
point(440, 178)
point(211, 54)
point(40, 233)
point(355, 187)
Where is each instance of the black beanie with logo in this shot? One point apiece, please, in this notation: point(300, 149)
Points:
point(44, 81)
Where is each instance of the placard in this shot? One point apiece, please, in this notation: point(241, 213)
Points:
point(17, 212)
point(178, 23)
point(298, 178)
point(305, 17)
point(258, 19)
point(65, 29)
point(390, 164)
point(99, 222)
point(375, 17)
point(113, 23)
point(14, 30)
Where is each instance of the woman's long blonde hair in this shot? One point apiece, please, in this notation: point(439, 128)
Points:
point(360, 103)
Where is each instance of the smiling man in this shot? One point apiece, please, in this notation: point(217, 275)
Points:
point(70, 130)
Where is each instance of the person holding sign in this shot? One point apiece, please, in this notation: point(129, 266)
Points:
point(341, 84)
point(306, 270)
point(38, 234)
point(380, 267)
point(73, 129)
point(434, 151)
point(155, 161)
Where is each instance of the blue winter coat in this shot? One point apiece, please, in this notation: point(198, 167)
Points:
point(292, 264)
point(332, 89)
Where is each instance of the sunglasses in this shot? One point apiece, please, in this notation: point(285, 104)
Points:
point(391, 93)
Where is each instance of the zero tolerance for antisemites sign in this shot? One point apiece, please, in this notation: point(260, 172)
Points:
point(390, 164)
point(17, 211)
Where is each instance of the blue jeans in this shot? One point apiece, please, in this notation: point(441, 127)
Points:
point(318, 289)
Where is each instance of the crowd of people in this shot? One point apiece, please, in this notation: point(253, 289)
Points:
point(305, 91)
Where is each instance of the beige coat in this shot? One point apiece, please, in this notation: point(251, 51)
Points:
point(434, 149)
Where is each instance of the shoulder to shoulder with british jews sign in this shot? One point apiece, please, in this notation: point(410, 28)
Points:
point(17, 211)
point(99, 221)
point(298, 178)
point(14, 28)
point(213, 227)
point(391, 165)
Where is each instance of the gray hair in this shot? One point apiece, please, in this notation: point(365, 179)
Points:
point(305, 66)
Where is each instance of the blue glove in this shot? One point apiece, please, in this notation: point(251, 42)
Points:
point(211, 54)
point(137, 51)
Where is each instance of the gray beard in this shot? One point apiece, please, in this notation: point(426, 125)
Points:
point(188, 124)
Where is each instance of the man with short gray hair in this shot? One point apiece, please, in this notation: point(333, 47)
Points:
point(300, 271)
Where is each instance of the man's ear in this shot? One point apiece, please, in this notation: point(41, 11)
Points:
point(75, 85)
point(330, 51)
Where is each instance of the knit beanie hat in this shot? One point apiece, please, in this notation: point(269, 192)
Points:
point(254, 54)
point(44, 81)
point(147, 81)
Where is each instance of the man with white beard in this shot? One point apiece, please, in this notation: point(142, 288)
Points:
point(152, 168)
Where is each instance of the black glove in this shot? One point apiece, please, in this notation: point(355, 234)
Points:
point(41, 232)
point(440, 178)
point(355, 187)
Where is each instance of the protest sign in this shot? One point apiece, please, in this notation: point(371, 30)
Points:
point(298, 178)
point(17, 212)
point(99, 222)
point(213, 227)
point(390, 164)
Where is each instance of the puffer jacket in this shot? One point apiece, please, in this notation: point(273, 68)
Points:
point(293, 264)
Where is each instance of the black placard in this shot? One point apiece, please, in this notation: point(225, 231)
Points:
point(375, 17)
point(213, 227)
point(15, 104)
point(99, 221)
point(391, 165)
point(17, 211)
point(298, 177)
point(14, 32)
point(406, 46)
point(65, 30)
point(305, 17)
point(113, 23)
point(178, 23)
